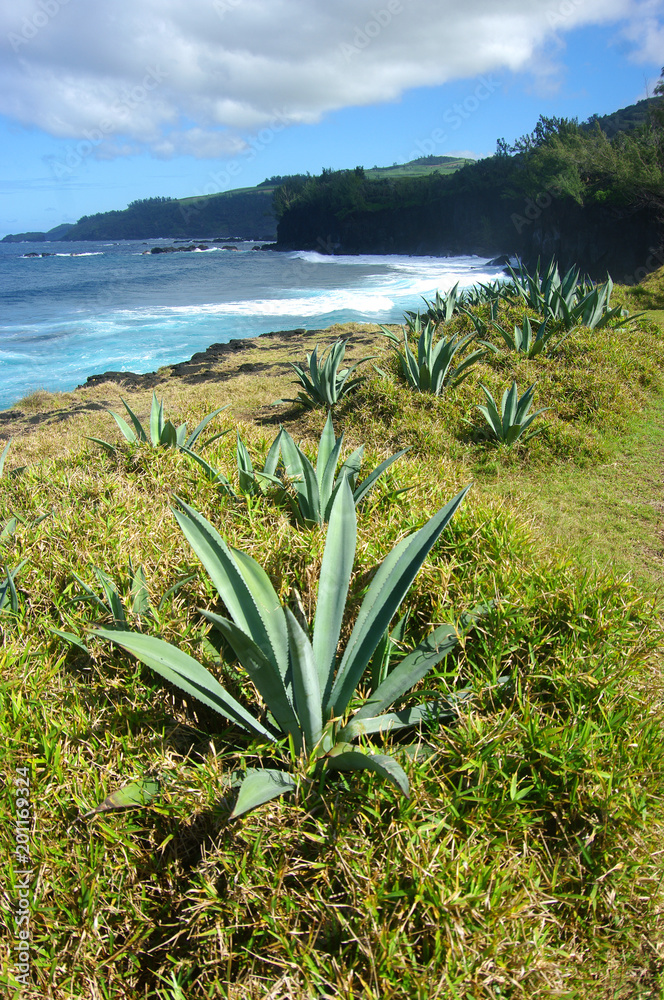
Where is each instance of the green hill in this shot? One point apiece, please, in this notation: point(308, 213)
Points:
point(245, 213)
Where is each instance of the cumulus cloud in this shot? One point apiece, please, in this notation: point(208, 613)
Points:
point(175, 77)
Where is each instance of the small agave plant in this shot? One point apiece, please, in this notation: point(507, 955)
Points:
point(321, 381)
point(509, 424)
point(308, 491)
point(160, 432)
point(307, 687)
point(432, 367)
point(316, 488)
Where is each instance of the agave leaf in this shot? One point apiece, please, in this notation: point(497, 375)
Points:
point(114, 601)
point(9, 528)
point(260, 786)
point(156, 420)
point(305, 683)
point(269, 606)
point(301, 472)
point(138, 793)
point(245, 467)
point(371, 480)
point(69, 637)
point(186, 673)
point(380, 763)
point(208, 469)
point(335, 574)
point(3, 455)
point(110, 448)
point(272, 459)
point(386, 592)
point(412, 669)
point(140, 604)
point(9, 587)
point(326, 475)
point(125, 428)
point(196, 433)
point(325, 448)
point(390, 722)
point(270, 684)
point(227, 576)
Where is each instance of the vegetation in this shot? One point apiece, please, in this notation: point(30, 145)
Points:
point(161, 433)
point(431, 370)
point(489, 206)
point(323, 382)
point(509, 424)
point(526, 860)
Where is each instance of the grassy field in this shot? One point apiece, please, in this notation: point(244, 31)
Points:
point(528, 860)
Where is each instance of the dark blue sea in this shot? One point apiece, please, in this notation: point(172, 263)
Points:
point(94, 307)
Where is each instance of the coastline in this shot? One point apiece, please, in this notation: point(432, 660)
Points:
point(249, 373)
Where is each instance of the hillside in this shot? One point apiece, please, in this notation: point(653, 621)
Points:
point(526, 862)
point(564, 191)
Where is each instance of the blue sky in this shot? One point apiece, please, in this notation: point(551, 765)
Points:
point(122, 99)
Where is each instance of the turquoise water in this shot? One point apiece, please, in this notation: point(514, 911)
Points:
point(95, 307)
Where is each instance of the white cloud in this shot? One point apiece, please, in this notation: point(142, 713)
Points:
point(176, 77)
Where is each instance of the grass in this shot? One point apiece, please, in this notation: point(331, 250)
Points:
point(527, 862)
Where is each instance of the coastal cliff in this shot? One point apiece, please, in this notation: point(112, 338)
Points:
point(622, 240)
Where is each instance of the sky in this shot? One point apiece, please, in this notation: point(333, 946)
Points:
point(106, 101)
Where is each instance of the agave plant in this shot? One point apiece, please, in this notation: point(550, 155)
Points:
point(160, 432)
point(253, 482)
point(316, 488)
point(525, 341)
point(432, 370)
point(512, 421)
point(307, 687)
point(442, 309)
point(321, 381)
point(569, 299)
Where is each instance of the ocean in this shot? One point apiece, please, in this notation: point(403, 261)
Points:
point(95, 307)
